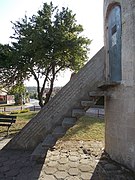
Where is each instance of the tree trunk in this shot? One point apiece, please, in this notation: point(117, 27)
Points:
point(40, 95)
point(48, 95)
point(40, 98)
point(40, 92)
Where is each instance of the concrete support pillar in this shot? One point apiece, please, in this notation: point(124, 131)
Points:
point(120, 106)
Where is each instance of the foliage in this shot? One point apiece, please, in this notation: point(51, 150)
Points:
point(33, 96)
point(24, 110)
point(20, 111)
point(19, 91)
point(15, 112)
point(32, 91)
point(45, 44)
point(7, 71)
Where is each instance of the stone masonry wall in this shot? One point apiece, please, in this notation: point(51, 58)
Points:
point(61, 105)
point(120, 106)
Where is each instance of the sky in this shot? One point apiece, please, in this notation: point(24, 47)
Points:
point(88, 13)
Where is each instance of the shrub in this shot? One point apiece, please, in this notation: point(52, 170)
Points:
point(20, 111)
point(24, 110)
point(15, 112)
point(4, 113)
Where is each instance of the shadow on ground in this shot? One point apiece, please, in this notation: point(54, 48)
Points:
point(18, 165)
point(107, 169)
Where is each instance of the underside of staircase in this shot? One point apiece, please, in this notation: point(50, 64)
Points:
point(62, 112)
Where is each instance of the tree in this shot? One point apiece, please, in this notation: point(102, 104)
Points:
point(19, 91)
point(45, 44)
point(9, 72)
point(6, 70)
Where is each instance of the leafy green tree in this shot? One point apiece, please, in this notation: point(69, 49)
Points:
point(45, 44)
point(19, 91)
point(33, 96)
point(9, 71)
point(6, 70)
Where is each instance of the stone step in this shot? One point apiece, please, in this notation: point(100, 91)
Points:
point(68, 122)
point(59, 132)
point(49, 141)
point(39, 153)
point(87, 103)
point(98, 93)
point(78, 113)
point(105, 84)
point(97, 106)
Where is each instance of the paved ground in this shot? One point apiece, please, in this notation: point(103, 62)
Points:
point(67, 161)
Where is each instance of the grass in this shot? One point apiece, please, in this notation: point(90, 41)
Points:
point(22, 120)
point(86, 128)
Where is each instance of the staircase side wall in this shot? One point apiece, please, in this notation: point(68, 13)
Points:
point(61, 105)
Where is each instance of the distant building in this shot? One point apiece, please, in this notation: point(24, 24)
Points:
point(5, 98)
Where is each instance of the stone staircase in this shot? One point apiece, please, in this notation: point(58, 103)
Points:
point(60, 130)
point(62, 112)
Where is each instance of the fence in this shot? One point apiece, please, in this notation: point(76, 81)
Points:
point(10, 108)
point(96, 112)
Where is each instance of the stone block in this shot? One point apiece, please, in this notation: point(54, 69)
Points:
point(68, 122)
point(78, 113)
point(58, 132)
point(49, 141)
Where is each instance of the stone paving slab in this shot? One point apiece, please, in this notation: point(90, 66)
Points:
point(70, 160)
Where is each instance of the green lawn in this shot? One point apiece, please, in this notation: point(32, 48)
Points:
point(22, 120)
point(86, 128)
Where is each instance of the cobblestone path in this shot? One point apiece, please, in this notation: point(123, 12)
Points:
point(70, 160)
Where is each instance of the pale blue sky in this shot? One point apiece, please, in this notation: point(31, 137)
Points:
point(89, 13)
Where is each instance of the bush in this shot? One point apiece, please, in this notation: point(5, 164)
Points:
point(20, 111)
point(24, 111)
point(4, 113)
point(15, 112)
